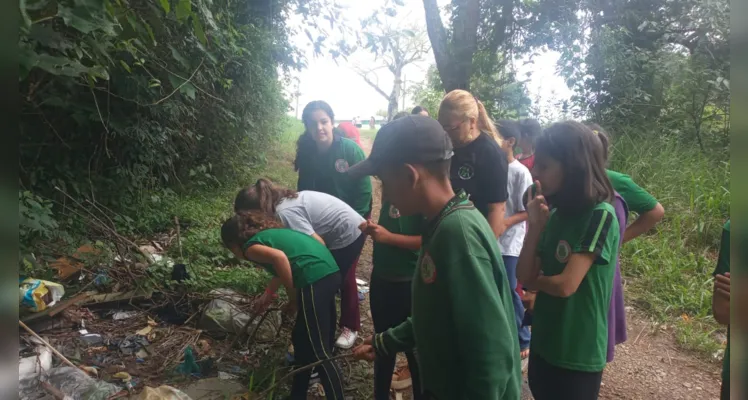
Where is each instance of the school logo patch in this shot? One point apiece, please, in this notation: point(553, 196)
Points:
point(428, 269)
point(465, 172)
point(563, 251)
point(341, 165)
point(394, 212)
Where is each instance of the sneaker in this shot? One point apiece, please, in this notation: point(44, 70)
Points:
point(346, 339)
point(401, 379)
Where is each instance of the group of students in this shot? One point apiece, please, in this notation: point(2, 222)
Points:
point(468, 240)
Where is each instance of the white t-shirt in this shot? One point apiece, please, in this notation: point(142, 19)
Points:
point(328, 216)
point(518, 180)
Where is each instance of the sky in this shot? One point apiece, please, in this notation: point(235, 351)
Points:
point(348, 94)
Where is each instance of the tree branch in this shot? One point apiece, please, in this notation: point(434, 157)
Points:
point(365, 76)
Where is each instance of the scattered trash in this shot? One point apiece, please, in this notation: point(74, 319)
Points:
point(179, 273)
point(125, 378)
point(131, 344)
point(161, 393)
point(225, 316)
point(361, 282)
point(188, 366)
point(31, 367)
point(145, 331)
point(37, 295)
point(361, 296)
point(226, 376)
point(90, 370)
point(72, 382)
point(119, 315)
point(91, 339)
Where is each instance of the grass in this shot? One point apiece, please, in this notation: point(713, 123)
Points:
point(668, 272)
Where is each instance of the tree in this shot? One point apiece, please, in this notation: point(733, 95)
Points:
point(395, 45)
point(476, 27)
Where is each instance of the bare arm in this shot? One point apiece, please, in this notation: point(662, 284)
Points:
point(495, 218)
point(381, 235)
point(644, 223)
point(528, 264)
point(319, 239)
point(567, 282)
point(515, 219)
point(721, 298)
point(279, 261)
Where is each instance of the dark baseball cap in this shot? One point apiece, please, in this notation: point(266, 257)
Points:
point(414, 139)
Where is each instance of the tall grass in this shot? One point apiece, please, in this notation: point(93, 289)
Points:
point(668, 271)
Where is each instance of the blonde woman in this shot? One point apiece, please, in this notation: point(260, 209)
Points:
point(479, 165)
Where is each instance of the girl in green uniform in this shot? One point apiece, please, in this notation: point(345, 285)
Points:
point(323, 157)
point(569, 257)
point(638, 200)
point(311, 277)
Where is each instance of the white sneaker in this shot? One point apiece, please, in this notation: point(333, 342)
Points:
point(346, 339)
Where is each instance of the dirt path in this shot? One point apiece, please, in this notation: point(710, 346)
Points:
point(648, 366)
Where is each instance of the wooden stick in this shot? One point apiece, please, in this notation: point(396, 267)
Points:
point(300, 369)
point(57, 393)
point(49, 346)
point(179, 239)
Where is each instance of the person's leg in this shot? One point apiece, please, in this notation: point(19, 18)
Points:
point(380, 297)
point(415, 375)
point(510, 264)
point(314, 337)
point(551, 382)
point(347, 259)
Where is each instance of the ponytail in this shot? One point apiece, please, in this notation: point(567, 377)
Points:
point(244, 225)
point(262, 196)
point(485, 124)
point(603, 136)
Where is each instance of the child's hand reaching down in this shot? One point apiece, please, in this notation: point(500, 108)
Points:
point(365, 351)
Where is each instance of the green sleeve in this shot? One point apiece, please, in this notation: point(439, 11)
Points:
point(359, 191)
point(395, 340)
point(486, 337)
point(600, 237)
point(637, 199)
point(723, 262)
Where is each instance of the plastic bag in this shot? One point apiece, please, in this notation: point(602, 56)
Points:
point(74, 383)
point(161, 393)
point(226, 316)
point(37, 294)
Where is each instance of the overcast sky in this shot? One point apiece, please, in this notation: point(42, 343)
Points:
point(350, 96)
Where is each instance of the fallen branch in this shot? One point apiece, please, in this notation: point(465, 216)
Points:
point(55, 392)
point(264, 393)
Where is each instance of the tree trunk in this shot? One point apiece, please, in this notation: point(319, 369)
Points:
point(454, 60)
point(392, 104)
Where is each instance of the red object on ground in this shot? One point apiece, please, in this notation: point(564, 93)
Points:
point(351, 132)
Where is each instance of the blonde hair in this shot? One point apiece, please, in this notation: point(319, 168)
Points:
point(466, 105)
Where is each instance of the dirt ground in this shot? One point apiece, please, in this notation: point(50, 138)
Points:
point(648, 366)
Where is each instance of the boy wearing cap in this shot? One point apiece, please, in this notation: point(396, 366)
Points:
point(462, 315)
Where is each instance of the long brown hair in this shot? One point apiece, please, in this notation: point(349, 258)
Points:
point(603, 136)
point(581, 155)
point(263, 196)
point(244, 225)
point(466, 105)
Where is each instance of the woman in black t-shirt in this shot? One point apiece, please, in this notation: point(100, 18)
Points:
point(479, 165)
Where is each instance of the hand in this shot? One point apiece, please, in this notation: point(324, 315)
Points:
point(722, 285)
point(537, 208)
point(365, 351)
point(377, 232)
point(262, 303)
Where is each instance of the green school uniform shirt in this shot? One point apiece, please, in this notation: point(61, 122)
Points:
point(572, 332)
point(637, 199)
point(462, 314)
point(328, 175)
point(723, 266)
point(310, 260)
point(392, 262)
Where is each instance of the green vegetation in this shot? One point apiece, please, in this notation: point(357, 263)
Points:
point(668, 272)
